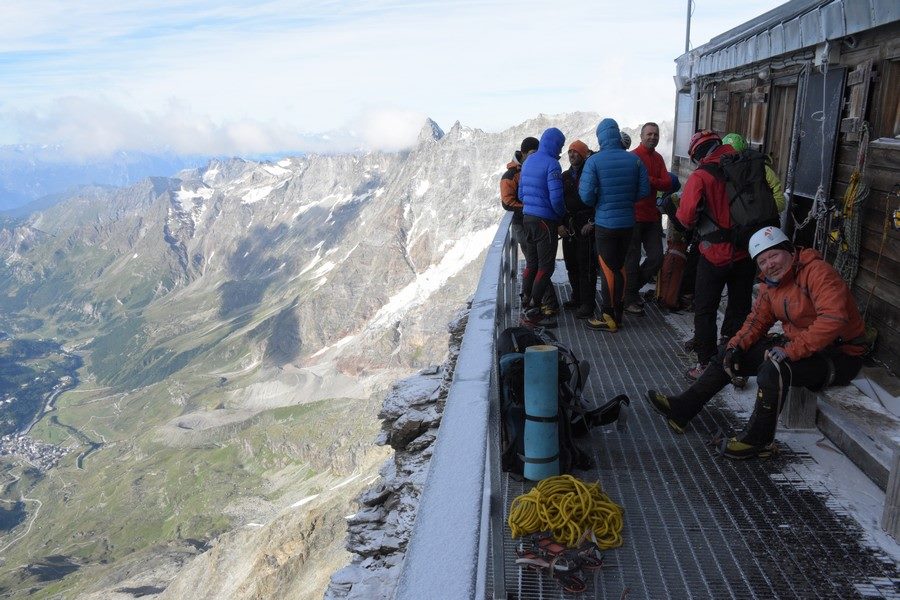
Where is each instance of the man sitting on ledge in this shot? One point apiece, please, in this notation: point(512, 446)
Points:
point(822, 344)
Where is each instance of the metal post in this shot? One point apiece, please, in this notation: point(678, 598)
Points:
point(687, 33)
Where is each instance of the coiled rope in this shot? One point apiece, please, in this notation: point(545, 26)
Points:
point(567, 506)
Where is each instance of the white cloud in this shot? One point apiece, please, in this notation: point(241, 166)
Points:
point(251, 76)
point(390, 128)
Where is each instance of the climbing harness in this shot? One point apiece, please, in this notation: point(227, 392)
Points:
point(568, 507)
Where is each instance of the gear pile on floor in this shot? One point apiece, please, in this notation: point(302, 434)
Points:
point(564, 524)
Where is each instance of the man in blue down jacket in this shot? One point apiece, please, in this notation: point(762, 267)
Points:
point(612, 181)
point(541, 193)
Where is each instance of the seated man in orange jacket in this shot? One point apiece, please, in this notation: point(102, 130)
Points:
point(822, 344)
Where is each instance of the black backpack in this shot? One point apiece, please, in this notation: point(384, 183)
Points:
point(575, 417)
point(750, 199)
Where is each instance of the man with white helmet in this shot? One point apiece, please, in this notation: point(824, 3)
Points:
point(822, 344)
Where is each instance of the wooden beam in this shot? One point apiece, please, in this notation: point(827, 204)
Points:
point(890, 518)
point(799, 410)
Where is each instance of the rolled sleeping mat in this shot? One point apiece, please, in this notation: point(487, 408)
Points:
point(541, 413)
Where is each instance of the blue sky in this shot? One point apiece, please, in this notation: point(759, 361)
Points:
point(258, 76)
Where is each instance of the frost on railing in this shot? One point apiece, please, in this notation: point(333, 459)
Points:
point(449, 553)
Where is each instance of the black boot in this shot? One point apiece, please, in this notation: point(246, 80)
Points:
point(686, 405)
point(770, 394)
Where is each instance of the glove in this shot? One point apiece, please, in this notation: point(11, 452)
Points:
point(732, 361)
point(676, 184)
point(587, 229)
point(776, 353)
point(562, 231)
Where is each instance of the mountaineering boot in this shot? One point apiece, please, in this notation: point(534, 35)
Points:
point(534, 317)
point(634, 309)
point(549, 310)
point(738, 450)
point(604, 323)
point(585, 311)
point(696, 371)
point(680, 409)
point(660, 402)
point(739, 382)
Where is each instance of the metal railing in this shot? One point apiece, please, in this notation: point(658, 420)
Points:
point(455, 550)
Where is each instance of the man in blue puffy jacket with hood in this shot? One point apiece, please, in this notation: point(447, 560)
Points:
point(612, 181)
point(541, 193)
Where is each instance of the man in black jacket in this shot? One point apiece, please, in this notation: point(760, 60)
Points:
point(577, 233)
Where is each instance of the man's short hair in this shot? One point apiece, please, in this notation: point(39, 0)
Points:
point(648, 124)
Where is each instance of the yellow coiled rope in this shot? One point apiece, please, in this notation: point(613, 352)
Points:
point(567, 506)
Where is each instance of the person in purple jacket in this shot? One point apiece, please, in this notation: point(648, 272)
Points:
point(543, 207)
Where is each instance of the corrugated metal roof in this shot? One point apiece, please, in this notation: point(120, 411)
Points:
point(793, 26)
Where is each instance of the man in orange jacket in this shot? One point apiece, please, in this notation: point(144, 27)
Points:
point(822, 344)
point(509, 187)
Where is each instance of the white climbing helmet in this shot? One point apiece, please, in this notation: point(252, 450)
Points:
point(766, 238)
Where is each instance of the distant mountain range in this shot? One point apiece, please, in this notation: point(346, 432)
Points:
point(239, 322)
point(34, 177)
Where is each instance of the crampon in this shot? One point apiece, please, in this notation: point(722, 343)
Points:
point(540, 552)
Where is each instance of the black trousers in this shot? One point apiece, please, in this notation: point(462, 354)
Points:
point(637, 273)
point(540, 257)
point(580, 257)
point(612, 247)
point(828, 367)
point(711, 281)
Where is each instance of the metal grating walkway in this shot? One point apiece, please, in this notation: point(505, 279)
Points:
point(699, 526)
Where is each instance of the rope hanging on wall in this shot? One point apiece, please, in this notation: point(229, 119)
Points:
point(846, 236)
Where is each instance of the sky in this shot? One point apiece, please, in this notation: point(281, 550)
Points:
point(245, 77)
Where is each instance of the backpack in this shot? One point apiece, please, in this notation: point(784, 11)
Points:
point(574, 417)
point(671, 273)
point(751, 204)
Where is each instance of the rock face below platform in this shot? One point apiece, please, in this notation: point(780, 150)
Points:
point(377, 535)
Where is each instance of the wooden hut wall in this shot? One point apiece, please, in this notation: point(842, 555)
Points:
point(871, 95)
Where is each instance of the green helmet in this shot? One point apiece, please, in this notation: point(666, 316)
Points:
point(736, 141)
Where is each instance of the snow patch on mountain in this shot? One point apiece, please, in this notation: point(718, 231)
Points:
point(193, 202)
point(463, 252)
point(256, 194)
point(276, 170)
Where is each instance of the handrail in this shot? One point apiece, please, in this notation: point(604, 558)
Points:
point(451, 543)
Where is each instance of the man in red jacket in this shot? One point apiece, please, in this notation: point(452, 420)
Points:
point(704, 206)
point(822, 344)
point(648, 222)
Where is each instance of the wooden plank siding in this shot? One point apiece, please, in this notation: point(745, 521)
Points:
point(873, 68)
